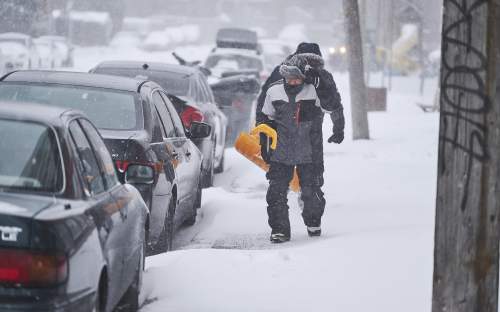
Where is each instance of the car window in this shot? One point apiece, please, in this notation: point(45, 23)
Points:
point(195, 92)
point(206, 87)
point(179, 127)
point(107, 109)
point(172, 82)
point(87, 163)
point(102, 153)
point(158, 123)
point(30, 157)
point(203, 90)
point(164, 115)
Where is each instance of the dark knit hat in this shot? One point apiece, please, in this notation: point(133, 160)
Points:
point(306, 47)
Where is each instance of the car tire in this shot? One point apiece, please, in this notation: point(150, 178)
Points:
point(165, 242)
point(208, 176)
point(99, 304)
point(130, 300)
point(220, 168)
point(196, 205)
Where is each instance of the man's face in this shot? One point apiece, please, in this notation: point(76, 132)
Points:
point(294, 81)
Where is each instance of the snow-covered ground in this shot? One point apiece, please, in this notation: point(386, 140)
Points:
point(376, 251)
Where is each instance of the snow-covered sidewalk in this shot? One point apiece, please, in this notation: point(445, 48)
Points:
point(376, 251)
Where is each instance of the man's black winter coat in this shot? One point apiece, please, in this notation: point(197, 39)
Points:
point(330, 100)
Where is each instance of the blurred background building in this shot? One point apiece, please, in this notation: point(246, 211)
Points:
point(400, 36)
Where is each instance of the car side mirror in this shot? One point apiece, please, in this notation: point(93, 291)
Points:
point(199, 130)
point(139, 174)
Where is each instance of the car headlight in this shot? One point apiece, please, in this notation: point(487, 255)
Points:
point(343, 50)
point(332, 50)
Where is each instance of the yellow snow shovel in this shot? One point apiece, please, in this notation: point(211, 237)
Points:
point(248, 145)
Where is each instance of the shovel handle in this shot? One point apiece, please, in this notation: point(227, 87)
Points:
point(270, 132)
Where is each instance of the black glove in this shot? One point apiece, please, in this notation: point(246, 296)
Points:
point(265, 147)
point(337, 137)
point(312, 76)
point(338, 126)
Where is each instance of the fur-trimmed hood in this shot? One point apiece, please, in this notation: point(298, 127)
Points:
point(296, 65)
point(313, 60)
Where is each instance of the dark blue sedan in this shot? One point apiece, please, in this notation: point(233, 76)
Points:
point(72, 237)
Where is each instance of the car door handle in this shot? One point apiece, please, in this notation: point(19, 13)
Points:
point(188, 154)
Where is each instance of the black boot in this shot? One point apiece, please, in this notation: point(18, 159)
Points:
point(278, 238)
point(314, 231)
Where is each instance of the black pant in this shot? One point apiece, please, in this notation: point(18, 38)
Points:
point(311, 180)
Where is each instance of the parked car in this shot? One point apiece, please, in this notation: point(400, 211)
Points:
point(141, 130)
point(236, 49)
point(190, 85)
point(64, 49)
point(72, 236)
point(223, 60)
point(20, 49)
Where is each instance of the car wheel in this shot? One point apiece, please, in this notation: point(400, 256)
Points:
point(166, 237)
point(220, 168)
point(130, 300)
point(196, 205)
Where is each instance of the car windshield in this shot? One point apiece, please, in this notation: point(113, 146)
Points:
point(174, 83)
point(30, 157)
point(107, 109)
point(220, 63)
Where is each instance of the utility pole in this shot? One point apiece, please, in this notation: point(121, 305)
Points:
point(468, 203)
point(356, 71)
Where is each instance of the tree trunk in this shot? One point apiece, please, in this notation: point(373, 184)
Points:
point(468, 201)
point(356, 71)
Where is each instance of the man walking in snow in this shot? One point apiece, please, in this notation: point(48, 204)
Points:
point(296, 109)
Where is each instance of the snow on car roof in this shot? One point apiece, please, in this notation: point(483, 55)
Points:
point(12, 35)
point(153, 66)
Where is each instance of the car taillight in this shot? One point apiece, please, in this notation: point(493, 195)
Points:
point(190, 114)
point(32, 269)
